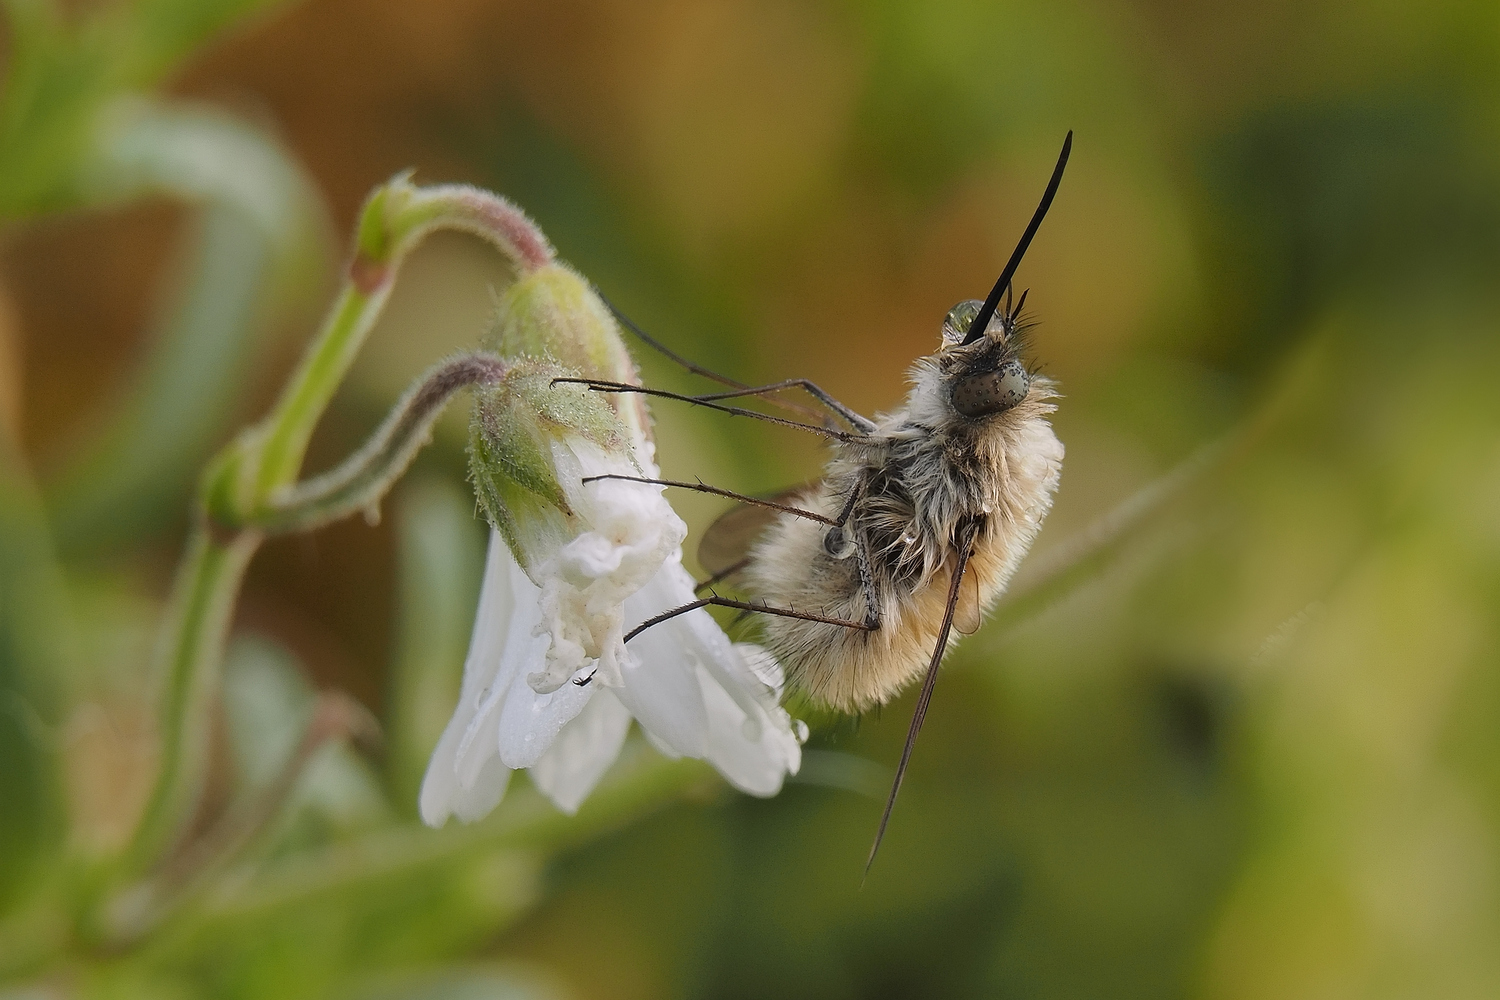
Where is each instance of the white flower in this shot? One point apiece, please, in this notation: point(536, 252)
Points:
point(549, 684)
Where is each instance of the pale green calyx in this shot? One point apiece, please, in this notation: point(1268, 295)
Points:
point(531, 437)
point(523, 437)
point(552, 312)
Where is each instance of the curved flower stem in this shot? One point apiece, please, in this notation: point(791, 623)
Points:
point(394, 220)
point(253, 477)
point(363, 478)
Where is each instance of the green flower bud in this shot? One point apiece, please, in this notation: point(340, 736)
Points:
point(553, 313)
point(520, 425)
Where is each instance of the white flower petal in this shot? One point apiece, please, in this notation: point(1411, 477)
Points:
point(754, 754)
point(660, 678)
point(582, 753)
point(746, 734)
point(444, 791)
point(629, 529)
point(694, 692)
point(441, 795)
point(529, 722)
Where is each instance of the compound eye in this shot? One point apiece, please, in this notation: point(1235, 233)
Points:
point(991, 392)
point(956, 324)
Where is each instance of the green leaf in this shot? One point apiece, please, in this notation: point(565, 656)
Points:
point(251, 253)
point(269, 703)
point(62, 77)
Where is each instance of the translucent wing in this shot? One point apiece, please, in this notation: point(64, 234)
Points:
point(727, 541)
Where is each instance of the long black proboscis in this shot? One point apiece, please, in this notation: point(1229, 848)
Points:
point(982, 321)
point(965, 548)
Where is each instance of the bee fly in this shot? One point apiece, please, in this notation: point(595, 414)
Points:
point(920, 519)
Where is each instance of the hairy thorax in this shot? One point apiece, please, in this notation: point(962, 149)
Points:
point(915, 481)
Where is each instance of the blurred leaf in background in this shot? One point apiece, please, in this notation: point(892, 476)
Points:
point(76, 132)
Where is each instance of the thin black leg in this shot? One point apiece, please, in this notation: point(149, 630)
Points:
point(705, 488)
point(696, 369)
point(663, 349)
point(722, 575)
point(765, 609)
point(964, 545)
point(601, 385)
point(855, 420)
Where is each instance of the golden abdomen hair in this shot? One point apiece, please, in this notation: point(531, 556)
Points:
point(851, 670)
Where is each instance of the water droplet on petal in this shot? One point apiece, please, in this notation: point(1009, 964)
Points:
point(799, 730)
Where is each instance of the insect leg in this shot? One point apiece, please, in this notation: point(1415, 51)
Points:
point(867, 582)
point(722, 574)
point(600, 385)
point(855, 420)
point(724, 602)
point(663, 349)
point(965, 548)
point(705, 488)
point(696, 369)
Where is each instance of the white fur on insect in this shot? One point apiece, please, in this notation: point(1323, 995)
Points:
point(925, 469)
point(862, 576)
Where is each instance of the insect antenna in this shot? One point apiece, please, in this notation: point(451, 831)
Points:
point(982, 320)
point(1015, 314)
point(965, 547)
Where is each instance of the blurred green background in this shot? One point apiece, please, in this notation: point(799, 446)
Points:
point(1254, 753)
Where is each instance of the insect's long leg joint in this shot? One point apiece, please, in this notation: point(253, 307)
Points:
point(964, 547)
point(696, 369)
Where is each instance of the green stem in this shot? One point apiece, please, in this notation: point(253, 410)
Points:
point(397, 217)
point(290, 426)
point(365, 477)
point(253, 471)
point(202, 605)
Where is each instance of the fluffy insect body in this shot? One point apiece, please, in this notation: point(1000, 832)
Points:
point(921, 518)
point(910, 487)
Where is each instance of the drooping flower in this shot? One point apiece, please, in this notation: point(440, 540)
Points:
point(549, 683)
